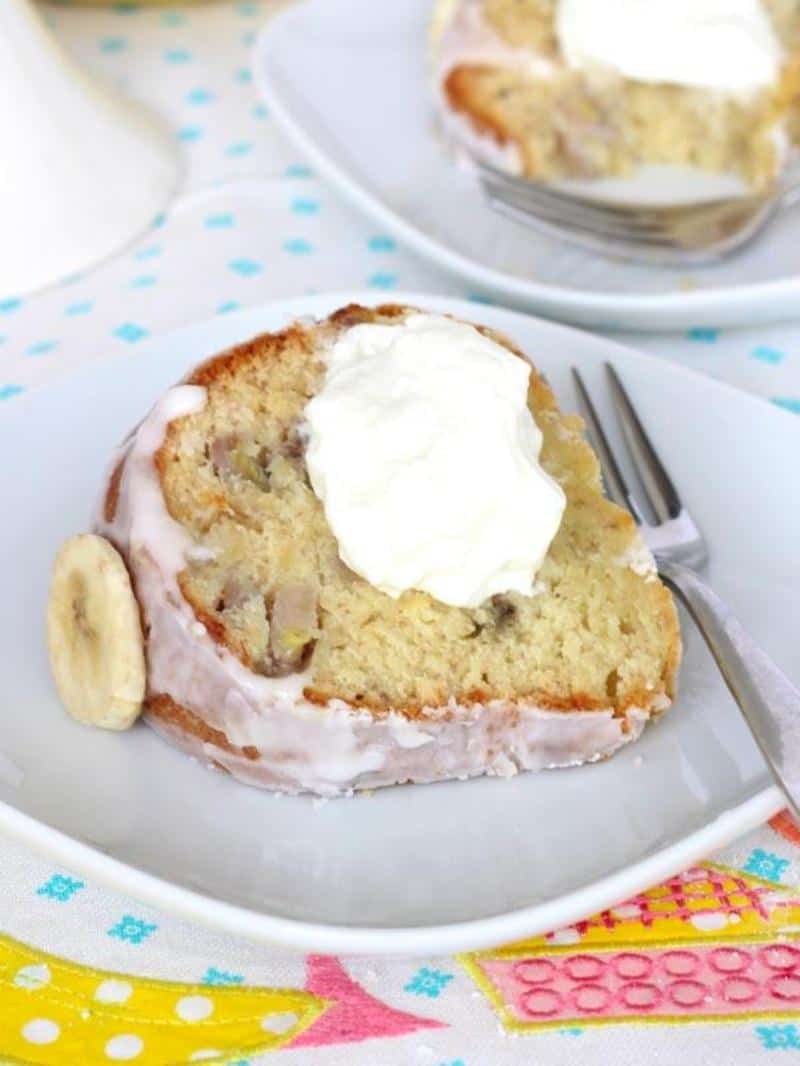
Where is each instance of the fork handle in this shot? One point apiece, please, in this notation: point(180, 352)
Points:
point(768, 700)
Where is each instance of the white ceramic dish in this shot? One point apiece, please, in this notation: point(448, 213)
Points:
point(409, 870)
point(348, 80)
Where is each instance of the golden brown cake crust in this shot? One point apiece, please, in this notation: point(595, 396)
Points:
point(166, 710)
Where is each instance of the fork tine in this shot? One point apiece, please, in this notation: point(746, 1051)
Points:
point(607, 241)
point(661, 253)
point(520, 187)
point(615, 482)
point(664, 234)
point(657, 483)
point(648, 214)
point(577, 212)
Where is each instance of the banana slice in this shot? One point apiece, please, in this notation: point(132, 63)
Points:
point(94, 634)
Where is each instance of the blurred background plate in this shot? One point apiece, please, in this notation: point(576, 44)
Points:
point(349, 81)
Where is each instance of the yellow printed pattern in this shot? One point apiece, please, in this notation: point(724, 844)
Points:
point(55, 1012)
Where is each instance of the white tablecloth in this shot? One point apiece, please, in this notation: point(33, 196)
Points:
point(253, 224)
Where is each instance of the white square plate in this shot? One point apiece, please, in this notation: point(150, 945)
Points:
point(349, 82)
point(417, 869)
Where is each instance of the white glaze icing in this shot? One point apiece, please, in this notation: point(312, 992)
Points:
point(301, 746)
point(498, 740)
point(141, 520)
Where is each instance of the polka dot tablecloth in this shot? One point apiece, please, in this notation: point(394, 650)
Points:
point(702, 969)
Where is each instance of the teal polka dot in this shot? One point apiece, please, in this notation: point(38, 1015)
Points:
point(151, 252)
point(7, 391)
point(144, 281)
point(765, 354)
point(244, 75)
point(303, 206)
point(130, 332)
point(40, 347)
point(188, 134)
point(299, 170)
point(82, 307)
point(9, 305)
point(298, 246)
point(173, 18)
point(381, 243)
point(111, 45)
point(703, 334)
point(239, 148)
point(382, 281)
point(222, 221)
point(177, 55)
point(247, 268)
point(229, 305)
point(199, 97)
point(260, 111)
point(789, 403)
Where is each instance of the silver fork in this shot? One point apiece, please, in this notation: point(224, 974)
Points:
point(769, 702)
point(679, 235)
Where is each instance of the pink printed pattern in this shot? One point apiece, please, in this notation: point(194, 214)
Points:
point(673, 982)
point(711, 943)
point(353, 1015)
point(683, 897)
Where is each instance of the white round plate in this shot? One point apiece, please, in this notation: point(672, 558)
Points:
point(409, 870)
point(349, 82)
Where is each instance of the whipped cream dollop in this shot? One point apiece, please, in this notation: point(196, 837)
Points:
point(728, 45)
point(425, 456)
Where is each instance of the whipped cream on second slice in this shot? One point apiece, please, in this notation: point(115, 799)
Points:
point(728, 45)
point(425, 456)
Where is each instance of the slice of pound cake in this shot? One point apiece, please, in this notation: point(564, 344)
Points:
point(554, 89)
point(365, 551)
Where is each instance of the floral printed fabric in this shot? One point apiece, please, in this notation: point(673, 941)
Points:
point(253, 223)
point(92, 977)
